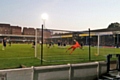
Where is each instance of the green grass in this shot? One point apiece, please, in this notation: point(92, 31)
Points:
point(23, 54)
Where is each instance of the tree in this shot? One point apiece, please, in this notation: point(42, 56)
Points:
point(114, 25)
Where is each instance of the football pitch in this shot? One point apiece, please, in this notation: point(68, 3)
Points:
point(23, 54)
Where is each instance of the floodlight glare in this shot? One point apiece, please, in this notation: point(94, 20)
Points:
point(44, 16)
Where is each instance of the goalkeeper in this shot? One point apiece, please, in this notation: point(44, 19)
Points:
point(73, 47)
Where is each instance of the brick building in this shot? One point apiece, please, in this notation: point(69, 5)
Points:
point(39, 32)
point(5, 29)
point(15, 33)
point(47, 33)
point(28, 31)
point(16, 30)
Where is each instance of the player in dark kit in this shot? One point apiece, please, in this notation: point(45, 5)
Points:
point(51, 43)
point(59, 43)
point(4, 43)
point(82, 44)
point(33, 44)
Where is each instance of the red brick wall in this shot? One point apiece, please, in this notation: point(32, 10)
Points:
point(16, 30)
point(28, 31)
point(5, 29)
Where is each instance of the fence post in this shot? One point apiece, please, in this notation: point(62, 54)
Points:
point(98, 70)
point(32, 75)
point(118, 63)
point(108, 62)
point(71, 72)
point(89, 45)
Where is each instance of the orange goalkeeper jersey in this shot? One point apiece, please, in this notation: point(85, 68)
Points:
point(77, 44)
